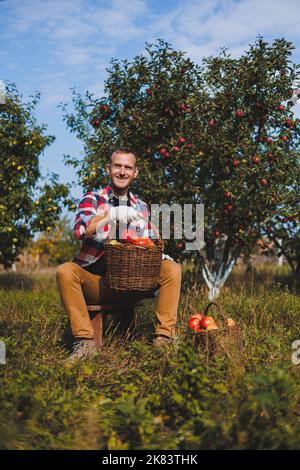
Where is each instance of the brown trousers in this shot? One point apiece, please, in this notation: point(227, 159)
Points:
point(78, 287)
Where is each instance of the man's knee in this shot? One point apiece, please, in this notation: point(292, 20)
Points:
point(171, 268)
point(65, 270)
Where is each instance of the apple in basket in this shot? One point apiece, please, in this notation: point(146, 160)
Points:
point(114, 242)
point(194, 321)
point(128, 235)
point(143, 242)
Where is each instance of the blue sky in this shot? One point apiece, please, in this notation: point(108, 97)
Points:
point(53, 45)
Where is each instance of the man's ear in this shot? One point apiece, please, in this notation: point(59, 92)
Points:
point(107, 167)
point(136, 172)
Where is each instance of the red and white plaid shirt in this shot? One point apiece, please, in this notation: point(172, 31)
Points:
point(97, 203)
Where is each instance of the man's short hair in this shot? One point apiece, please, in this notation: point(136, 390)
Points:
point(124, 150)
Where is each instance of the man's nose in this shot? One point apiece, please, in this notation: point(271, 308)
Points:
point(122, 170)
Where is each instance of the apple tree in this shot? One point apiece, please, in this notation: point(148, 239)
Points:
point(284, 232)
point(28, 203)
point(221, 133)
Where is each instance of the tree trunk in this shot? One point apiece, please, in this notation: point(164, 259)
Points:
point(216, 273)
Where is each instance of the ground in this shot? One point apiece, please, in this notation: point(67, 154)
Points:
point(132, 396)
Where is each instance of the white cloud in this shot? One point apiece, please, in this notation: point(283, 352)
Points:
point(74, 30)
point(81, 36)
point(202, 28)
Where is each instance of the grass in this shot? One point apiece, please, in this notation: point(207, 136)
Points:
point(131, 396)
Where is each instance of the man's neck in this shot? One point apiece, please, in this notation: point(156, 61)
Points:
point(121, 193)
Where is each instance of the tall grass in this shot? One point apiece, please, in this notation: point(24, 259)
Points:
point(132, 396)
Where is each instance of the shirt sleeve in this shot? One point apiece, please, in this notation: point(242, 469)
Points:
point(87, 209)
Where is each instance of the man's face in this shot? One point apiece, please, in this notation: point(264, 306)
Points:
point(122, 170)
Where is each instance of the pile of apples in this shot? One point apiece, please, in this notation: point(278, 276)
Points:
point(199, 322)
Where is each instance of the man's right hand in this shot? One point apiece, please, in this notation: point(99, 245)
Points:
point(123, 214)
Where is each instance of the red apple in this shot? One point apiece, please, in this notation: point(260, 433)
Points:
point(199, 315)
point(227, 194)
point(211, 123)
point(269, 140)
point(149, 91)
point(194, 324)
point(180, 245)
point(207, 321)
point(284, 138)
point(281, 107)
point(228, 208)
point(163, 151)
point(177, 149)
point(264, 182)
point(236, 163)
point(182, 140)
point(128, 235)
point(255, 159)
point(240, 113)
point(96, 123)
point(289, 122)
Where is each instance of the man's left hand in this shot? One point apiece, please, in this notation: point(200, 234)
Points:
point(163, 256)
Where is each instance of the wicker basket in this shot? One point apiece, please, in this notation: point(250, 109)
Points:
point(130, 267)
point(226, 339)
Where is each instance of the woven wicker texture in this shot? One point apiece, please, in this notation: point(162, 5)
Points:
point(226, 339)
point(130, 267)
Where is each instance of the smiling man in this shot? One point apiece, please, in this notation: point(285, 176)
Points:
point(82, 280)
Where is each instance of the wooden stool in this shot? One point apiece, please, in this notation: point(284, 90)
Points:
point(96, 314)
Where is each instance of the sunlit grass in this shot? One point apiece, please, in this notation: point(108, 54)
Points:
point(131, 396)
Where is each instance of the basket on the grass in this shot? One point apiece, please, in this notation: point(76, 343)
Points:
point(225, 339)
point(130, 267)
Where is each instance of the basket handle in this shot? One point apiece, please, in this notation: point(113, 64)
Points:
point(221, 311)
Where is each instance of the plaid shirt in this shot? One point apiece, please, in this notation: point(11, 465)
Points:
point(97, 203)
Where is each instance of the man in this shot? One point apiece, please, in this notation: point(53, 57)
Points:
point(82, 281)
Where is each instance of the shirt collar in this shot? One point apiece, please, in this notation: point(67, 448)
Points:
point(133, 199)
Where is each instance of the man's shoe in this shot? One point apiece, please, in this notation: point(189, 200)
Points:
point(161, 341)
point(82, 349)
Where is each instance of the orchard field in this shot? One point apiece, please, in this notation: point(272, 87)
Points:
point(222, 133)
point(131, 396)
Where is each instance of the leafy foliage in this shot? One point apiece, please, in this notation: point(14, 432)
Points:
point(28, 203)
point(58, 245)
point(222, 133)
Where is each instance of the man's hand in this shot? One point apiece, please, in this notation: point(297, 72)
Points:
point(94, 223)
point(163, 256)
point(123, 214)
